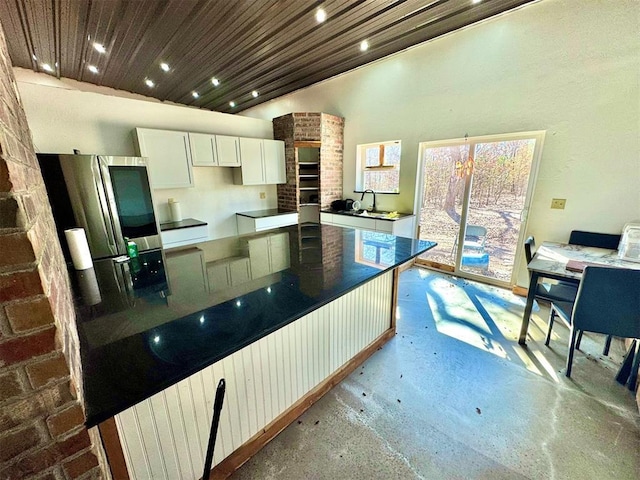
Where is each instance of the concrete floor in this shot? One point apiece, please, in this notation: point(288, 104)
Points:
point(454, 396)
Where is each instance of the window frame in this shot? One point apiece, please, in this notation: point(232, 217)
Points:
point(361, 167)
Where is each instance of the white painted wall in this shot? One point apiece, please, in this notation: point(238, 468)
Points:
point(64, 115)
point(570, 68)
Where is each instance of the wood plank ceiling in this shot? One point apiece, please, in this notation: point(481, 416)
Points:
point(273, 47)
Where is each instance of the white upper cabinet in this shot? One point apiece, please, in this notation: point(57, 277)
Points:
point(274, 161)
point(228, 151)
point(203, 150)
point(263, 162)
point(169, 157)
point(252, 161)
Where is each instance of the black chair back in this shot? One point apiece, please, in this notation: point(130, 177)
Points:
point(529, 244)
point(593, 239)
point(608, 301)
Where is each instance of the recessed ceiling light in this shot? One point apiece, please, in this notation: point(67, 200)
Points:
point(47, 68)
point(254, 94)
point(195, 94)
point(99, 47)
point(34, 56)
point(93, 68)
point(477, 1)
point(215, 81)
point(321, 15)
point(149, 83)
point(364, 45)
point(164, 67)
point(232, 104)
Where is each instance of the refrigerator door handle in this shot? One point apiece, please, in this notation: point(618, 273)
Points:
point(111, 219)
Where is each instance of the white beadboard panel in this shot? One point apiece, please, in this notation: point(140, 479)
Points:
point(165, 436)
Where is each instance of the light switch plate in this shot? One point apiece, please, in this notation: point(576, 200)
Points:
point(558, 203)
point(263, 195)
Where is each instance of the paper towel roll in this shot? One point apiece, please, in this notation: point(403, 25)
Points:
point(174, 209)
point(79, 248)
point(89, 289)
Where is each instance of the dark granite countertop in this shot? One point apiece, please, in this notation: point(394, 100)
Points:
point(374, 215)
point(186, 223)
point(150, 322)
point(270, 212)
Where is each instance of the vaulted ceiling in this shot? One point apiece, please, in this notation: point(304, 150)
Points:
point(173, 49)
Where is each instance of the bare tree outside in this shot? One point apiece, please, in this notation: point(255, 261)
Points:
point(498, 191)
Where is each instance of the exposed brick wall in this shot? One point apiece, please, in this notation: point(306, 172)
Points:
point(332, 258)
point(331, 152)
point(311, 127)
point(42, 433)
point(288, 194)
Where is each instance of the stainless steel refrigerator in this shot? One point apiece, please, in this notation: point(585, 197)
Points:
point(110, 197)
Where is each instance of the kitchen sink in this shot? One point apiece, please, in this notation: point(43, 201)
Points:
point(365, 213)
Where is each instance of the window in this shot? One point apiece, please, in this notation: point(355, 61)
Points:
point(378, 167)
point(375, 249)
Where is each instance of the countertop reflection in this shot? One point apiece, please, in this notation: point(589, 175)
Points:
point(146, 324)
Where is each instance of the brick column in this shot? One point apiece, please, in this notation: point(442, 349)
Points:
point(288, 194)
point(331, 154)
point(42, 433)
point(311, 127)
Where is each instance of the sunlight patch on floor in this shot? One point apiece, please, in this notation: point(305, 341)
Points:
point(457, 317)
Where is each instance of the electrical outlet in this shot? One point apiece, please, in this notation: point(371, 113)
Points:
point(558, 203)
point(263, 195)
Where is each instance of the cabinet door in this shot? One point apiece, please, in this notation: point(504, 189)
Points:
point(326, 218)
point(219, 276)
point(259, 257)
point(274, 162)
point(279, 251)
point(227, 150)
point(203, 150)
point(251, 157)
point(187, 275)
point(404, 227)
point(169, 157)
point(240, 271)
point(355, 222)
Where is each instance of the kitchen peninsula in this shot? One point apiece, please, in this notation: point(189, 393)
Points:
point(157, 336)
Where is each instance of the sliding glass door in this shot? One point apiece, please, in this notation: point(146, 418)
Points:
point(473, 199)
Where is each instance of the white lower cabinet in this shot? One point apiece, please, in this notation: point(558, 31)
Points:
point(227, 273)
point(269, 254)
point(179, 237)
point(250, 224)
point(187, 274)
point(402, 227)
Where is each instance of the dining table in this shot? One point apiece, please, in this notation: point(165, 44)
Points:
point(551, 261)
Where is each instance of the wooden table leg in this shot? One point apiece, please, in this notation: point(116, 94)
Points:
point(533, 282)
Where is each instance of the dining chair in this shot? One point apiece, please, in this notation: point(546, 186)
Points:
point(475, 237)
point(609, 241)
point(608, 302)
point(548, 292)
point(593, 239)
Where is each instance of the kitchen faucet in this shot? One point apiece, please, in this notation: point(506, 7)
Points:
point(373, 207)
